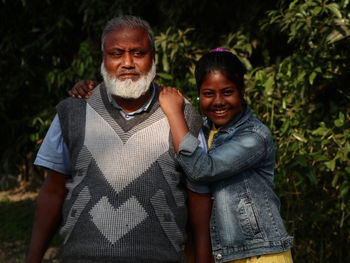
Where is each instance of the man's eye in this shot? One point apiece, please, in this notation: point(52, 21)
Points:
point(139, 53)
point(116, 54)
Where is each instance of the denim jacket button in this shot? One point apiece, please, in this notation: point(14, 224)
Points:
point(213, 228)
point(219, 256)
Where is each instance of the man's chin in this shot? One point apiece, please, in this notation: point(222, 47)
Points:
point(129, 97)
point(129, 89)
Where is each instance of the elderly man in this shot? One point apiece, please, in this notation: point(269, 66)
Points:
point(112, 175)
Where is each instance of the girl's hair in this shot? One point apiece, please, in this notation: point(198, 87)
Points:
point(223, 61)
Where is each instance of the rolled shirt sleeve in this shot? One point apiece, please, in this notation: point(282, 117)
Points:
point(197, 187)
point(53, 153)
point(231, 158)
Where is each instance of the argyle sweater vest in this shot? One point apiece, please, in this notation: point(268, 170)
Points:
point(126, 195)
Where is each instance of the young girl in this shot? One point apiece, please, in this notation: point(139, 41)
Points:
point(245, 223)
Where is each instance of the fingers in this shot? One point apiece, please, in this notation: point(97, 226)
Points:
point(169, 89)
point(82, 89)
point(91, 84)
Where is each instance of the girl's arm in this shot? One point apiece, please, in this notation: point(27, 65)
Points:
point(244, 150)
point(172, 102)
point(82, 89)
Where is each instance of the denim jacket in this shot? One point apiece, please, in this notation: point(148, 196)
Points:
point(239, 168)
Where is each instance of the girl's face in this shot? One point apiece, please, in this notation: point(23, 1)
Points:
point(220, 99)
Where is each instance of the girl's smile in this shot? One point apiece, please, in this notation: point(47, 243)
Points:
point(220, 99)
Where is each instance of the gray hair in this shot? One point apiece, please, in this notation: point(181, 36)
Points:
point(129, 21)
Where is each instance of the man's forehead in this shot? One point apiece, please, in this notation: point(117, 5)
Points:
point(128, 36)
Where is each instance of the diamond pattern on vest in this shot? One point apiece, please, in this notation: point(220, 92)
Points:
point(115, 223)
point(105, 145)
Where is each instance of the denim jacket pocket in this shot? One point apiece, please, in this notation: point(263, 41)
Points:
point(247, 219)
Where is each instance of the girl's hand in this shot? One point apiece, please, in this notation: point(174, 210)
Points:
point(171, 101)
point(82, 89)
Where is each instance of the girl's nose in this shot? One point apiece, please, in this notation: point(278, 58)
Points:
point(218, 101)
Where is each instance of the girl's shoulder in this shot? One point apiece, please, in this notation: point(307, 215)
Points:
point(258, 128)
point(251, 126)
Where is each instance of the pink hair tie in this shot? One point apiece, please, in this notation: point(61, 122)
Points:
point(219, 50)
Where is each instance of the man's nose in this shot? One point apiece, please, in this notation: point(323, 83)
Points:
point(128, 60)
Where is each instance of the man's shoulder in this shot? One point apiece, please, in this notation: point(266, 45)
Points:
point(76, 102)
point(189, 110)
point(70, 103)
point(193, 119)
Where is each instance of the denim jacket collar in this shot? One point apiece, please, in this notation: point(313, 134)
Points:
point(238, 120)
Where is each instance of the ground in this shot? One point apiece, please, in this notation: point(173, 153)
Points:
point(16, 214)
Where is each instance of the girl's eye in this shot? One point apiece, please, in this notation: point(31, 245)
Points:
point(207, 93)
point(228, 92)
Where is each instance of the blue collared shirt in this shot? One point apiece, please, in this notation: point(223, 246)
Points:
point(130, 115)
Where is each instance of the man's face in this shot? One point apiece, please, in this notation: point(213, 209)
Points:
point(127, 53)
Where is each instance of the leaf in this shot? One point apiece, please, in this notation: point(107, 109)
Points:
point(316, 10)
point(337, 34)
point(299, 137)
point(346, 150)
point(165, 76)
point(323, 131)
point(312, 77)
point(335, 180)
point(340, 121)
point(334, 8)
point(331, 164)
point(165, 63)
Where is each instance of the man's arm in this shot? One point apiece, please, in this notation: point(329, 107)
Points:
point(199, 206)
point(48, 215)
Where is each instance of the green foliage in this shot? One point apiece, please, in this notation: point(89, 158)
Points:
point(305, 100)
point(297, 57)
point(175, 48)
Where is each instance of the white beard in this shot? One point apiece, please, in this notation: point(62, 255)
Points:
point(128, 89)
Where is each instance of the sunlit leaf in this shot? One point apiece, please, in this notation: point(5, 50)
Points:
point(334, 8)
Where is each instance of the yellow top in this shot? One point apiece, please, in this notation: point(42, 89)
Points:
point(212, 133)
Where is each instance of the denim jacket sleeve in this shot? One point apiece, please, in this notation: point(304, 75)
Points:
point(232, 156)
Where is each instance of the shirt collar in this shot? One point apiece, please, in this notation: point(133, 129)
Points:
point(143, 108)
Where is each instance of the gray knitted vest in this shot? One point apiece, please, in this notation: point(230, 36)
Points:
point(126, 195)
